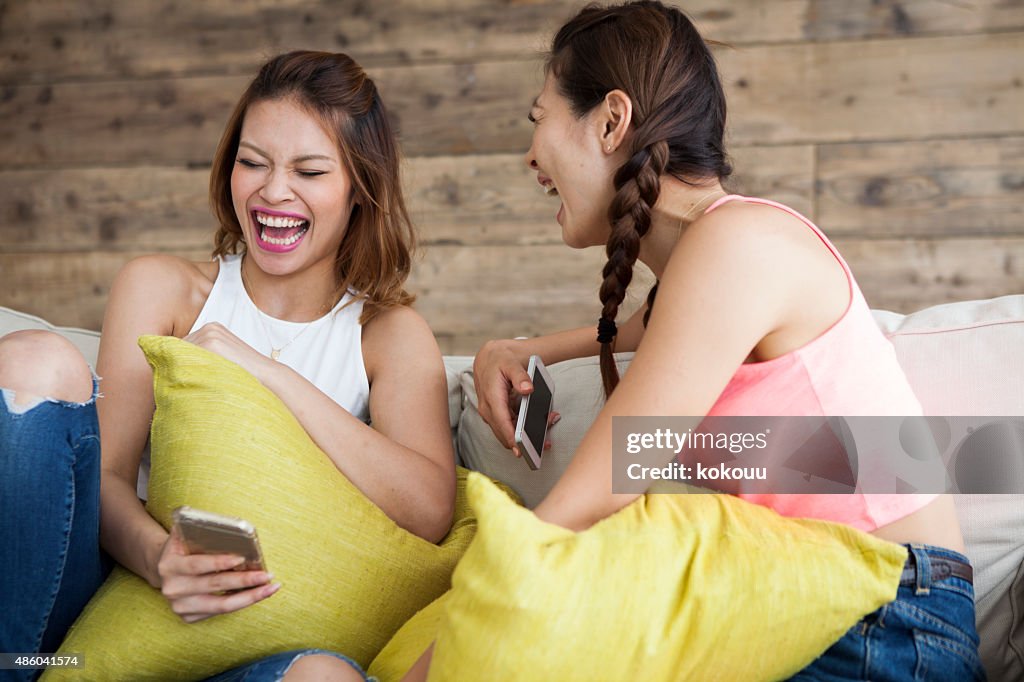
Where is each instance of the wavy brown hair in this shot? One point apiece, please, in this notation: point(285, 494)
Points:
point(655, 55)
point(375, 254)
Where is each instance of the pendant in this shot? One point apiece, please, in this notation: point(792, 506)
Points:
point(275, 353)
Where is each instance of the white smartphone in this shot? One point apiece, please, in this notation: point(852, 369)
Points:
point(205, 532)
point(532, 425)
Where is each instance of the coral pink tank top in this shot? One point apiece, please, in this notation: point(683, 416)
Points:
point(849, 370)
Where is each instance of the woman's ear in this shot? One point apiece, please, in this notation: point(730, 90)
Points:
point(616, 113)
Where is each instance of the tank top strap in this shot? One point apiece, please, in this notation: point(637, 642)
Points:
point(799, 216)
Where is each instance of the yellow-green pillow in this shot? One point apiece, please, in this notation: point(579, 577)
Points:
point(673, 587)
point(409, 643)
point(350, 576)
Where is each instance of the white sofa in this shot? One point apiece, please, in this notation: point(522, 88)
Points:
point(961, 358)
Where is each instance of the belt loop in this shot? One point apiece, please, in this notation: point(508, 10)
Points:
point(923, 569)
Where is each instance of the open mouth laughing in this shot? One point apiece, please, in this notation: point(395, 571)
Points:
point(278, 231)
point(548, 185)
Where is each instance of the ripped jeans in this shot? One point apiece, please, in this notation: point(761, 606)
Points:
point(50, 558)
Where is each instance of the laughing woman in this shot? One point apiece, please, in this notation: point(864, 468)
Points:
point(753, 304)
point(306, 293)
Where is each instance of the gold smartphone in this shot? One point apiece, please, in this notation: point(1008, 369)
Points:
point(205, 532)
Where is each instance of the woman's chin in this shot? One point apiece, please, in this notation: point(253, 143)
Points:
point(582, 239)
point(572, 240)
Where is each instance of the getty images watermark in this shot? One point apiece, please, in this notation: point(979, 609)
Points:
point(814, 455)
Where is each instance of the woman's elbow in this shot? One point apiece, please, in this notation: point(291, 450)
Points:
point(432, 518)
point(435, 520)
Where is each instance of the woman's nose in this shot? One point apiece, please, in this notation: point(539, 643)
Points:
point(277, 188)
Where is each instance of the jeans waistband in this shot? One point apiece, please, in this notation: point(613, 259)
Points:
point(927, 565)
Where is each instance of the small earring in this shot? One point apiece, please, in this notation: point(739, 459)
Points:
point(609, 147)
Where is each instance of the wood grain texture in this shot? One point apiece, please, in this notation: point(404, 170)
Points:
point(104, 39)
point(108, 39)
point(446, 109)
point(905, 89)
point(967, 187)
point(782, 173)
point(495, 199)
point(480, 199)
point(781, 94)
point(852, 19)
point(904, 275)
point(64, 288)
point(163, 122)
point(105, 209)
point(472, 294)
point(454, 200)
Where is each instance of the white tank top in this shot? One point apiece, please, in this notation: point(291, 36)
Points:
point(327, 351)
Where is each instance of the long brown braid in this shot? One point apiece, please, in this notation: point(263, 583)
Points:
point(655, 55)
point(637, 184)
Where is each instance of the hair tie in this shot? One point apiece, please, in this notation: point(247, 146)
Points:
point(606, 330)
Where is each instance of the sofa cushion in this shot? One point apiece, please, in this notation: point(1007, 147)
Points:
point(453, 367)
point(667, 588)
point(964, 359)
point(224, 443)
point(577, 397)
point(88, 342)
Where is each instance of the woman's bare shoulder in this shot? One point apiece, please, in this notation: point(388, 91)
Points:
point(772, 243)
point(172, 274)
point(397, 327)
point(398, 336)
point(755, 220)
point(170, 286)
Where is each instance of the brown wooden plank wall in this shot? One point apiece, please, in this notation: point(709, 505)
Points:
point(898, 125)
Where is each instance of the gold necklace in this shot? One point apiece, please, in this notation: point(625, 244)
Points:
point(275, 353)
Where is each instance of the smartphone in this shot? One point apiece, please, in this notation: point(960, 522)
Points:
point(532, 425)
point(205, 532)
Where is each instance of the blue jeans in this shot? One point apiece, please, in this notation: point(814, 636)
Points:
point(50, 558)
point(273, 668)
point(926, 633)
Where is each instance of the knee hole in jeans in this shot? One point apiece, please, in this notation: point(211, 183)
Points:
point(322, 667)
point(38, 364)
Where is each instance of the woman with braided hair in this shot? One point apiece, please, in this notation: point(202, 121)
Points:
point(755, 312)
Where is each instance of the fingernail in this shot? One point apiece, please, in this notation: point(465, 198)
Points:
point(557, 419)
point(524, 386)
point(273, 588)
point(237, 561)
point(270, 576)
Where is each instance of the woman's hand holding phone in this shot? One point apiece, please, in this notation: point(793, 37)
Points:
point(501, 380)
point(199, 586)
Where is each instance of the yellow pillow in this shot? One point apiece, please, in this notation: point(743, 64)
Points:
point(350, 576)
point(409, 643)
point(673, 587)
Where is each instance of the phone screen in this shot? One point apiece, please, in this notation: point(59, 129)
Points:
point(537, 411)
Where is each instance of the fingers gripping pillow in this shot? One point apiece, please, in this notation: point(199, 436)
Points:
point(673, 587)
point(224, 443)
